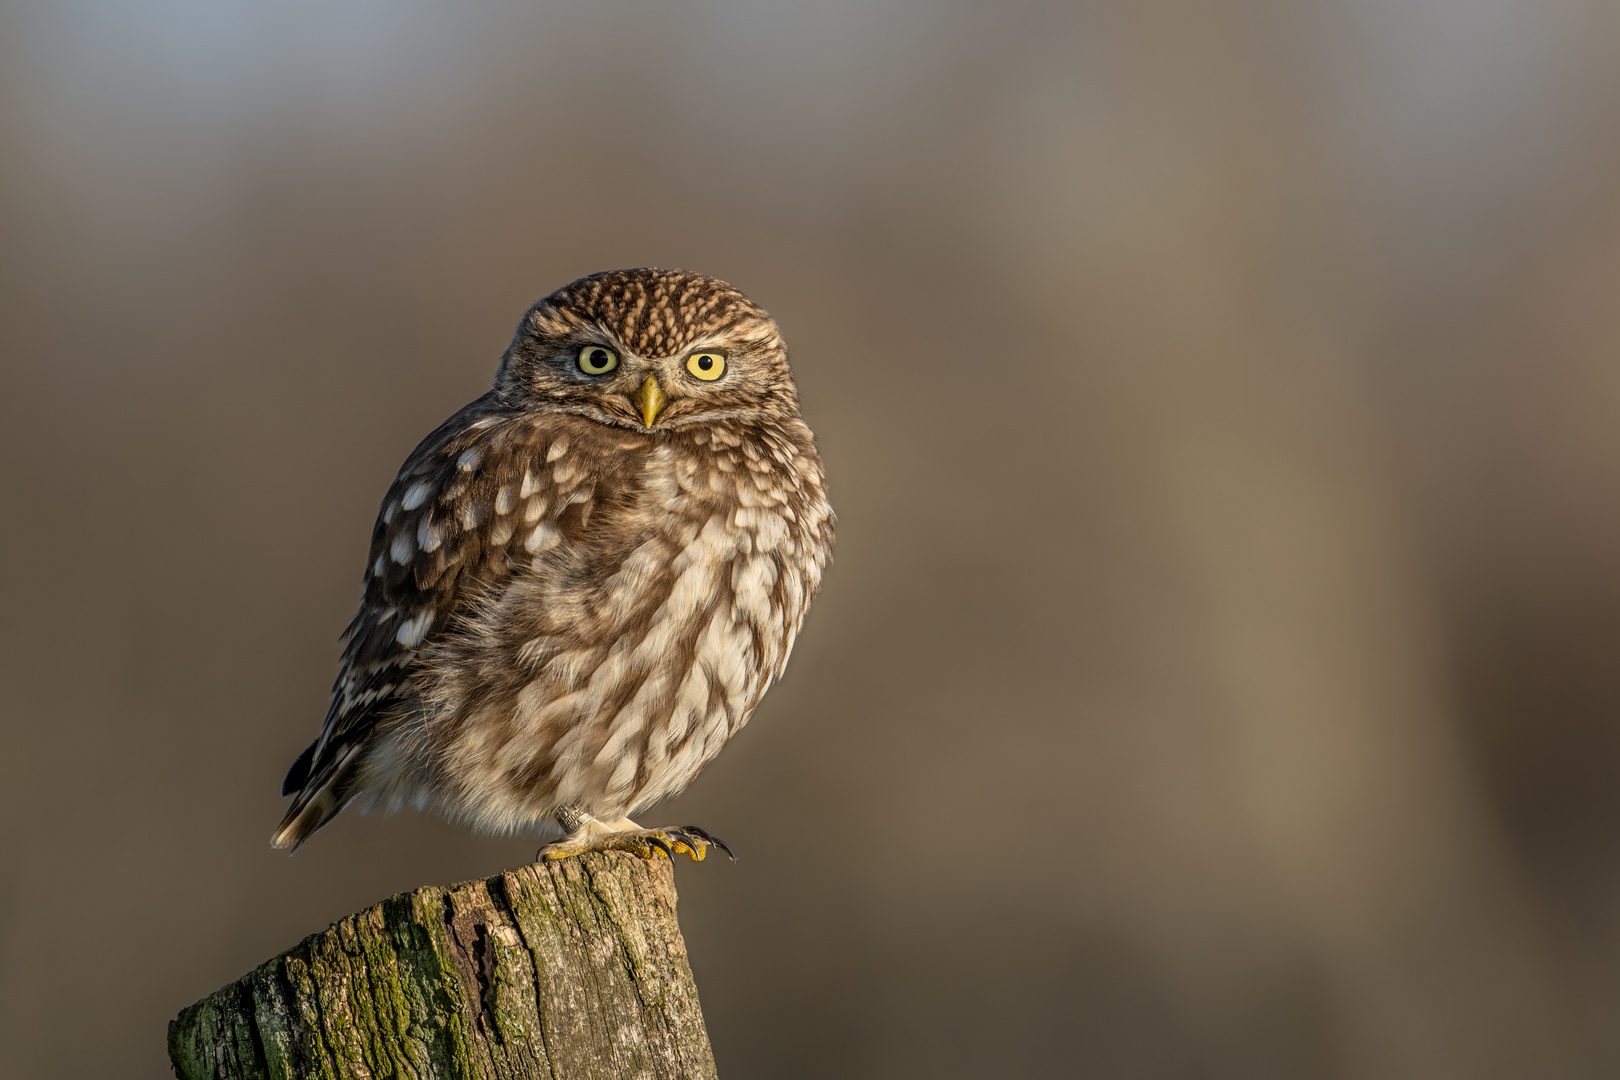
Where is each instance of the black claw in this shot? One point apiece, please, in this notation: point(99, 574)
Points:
point(659, 844)
point(715, 840)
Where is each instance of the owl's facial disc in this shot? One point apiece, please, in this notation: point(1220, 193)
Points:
point(650, 400)
point(589, 348)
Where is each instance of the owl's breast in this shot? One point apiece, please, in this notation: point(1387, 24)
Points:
point(643, 637)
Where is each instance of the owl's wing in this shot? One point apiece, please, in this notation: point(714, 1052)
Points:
point(450, 527)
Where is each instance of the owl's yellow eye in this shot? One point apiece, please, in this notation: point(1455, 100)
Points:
point(597, 359)
point(707, 366)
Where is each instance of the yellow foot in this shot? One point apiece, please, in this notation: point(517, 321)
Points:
point(669, 841)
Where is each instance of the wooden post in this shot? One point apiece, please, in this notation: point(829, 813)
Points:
point(569, 970)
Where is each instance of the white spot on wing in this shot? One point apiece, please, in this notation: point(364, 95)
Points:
point(427, 535)
point(412, 631)
point(469, 459)
point(544, 538)
point(558, 449)
point(530, 485)
point(400, 550)
point(503, 500)
point(417, 495)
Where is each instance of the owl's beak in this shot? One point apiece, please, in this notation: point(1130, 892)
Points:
point(650, 400)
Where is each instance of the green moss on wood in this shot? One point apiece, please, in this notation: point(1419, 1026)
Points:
point(571, 970)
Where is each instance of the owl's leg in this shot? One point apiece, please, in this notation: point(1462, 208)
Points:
point(586, 833)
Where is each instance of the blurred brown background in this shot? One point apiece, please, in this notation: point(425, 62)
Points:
point(1218, 677)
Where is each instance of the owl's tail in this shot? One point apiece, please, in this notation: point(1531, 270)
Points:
point(319, 793)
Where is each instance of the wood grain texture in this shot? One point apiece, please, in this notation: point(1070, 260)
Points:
point(570, 969)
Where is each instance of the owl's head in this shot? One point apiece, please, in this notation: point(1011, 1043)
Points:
point(651, 350)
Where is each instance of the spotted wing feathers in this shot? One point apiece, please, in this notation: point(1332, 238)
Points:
point(469, 505)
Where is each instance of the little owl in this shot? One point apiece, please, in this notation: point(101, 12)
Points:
point(581, 584)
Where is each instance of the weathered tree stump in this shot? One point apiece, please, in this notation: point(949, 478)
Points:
point(571, 970)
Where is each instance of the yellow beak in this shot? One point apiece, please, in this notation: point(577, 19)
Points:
point(650, 400)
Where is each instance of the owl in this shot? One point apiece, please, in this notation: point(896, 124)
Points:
point(580, 585)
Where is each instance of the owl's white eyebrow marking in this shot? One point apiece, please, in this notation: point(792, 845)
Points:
point(400, 550)
point(503, 500)
point(558, 449)
point(530, 485)
point(412, 631)
point(544, 538)
point(469, 459)
point(417, 495)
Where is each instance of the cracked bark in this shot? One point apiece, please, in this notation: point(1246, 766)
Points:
point(571, 970)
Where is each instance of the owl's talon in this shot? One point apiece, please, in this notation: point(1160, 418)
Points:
point(711, 839)
point(595, 835)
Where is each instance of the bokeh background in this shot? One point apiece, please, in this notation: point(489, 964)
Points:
point(1218, 676)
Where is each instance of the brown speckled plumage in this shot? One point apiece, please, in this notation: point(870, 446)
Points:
point(568, 612)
